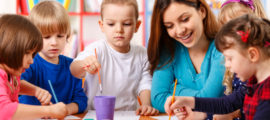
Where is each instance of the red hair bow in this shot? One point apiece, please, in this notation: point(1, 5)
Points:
point(244, 35)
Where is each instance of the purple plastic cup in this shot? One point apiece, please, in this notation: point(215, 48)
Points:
point(104, 106)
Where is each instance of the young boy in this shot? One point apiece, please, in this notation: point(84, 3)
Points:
point(123, 67)
point(52, 20)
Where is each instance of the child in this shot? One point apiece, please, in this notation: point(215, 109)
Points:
point(123, 67)
point(231, 9)
point(52, 20)
point(20, 40)
point(181, 46)
point(245, 43)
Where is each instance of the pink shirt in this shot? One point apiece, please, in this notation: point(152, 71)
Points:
point(8, 98)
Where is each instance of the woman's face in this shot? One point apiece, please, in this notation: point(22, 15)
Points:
point(184, 23)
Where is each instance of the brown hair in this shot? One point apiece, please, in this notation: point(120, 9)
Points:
point(50, 17)
point(124, 2)
point(233, 9)
point(160, 43)
point(17, 37)
point(257, 28)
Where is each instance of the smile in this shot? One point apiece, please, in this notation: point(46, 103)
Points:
point(186, 37)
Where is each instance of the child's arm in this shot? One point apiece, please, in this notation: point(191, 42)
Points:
point(221, 105)
point(262, 110)
point(33, 112)
point(79, 99)
point(78, 68)
point(42, 95)
point(146, 108)
point(72, 108)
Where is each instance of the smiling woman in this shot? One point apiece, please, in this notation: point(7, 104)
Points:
point(181, 47)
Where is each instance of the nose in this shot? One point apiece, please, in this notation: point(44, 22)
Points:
point(54, 41)
point(180, 30)
point(119, 28)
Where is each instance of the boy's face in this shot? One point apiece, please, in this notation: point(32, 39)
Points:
point(53, 45)
point(119, 24)
point(237, 63)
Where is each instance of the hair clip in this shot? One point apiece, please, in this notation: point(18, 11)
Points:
point(249, 3)
point(244, 35)
point(266, 44)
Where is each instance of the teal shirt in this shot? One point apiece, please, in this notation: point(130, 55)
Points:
point(208, 83)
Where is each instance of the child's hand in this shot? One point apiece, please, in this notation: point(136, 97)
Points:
point(187, 114)
point(90, 64)
point(180, 113)
point(179, 102)
point(43, 96)
point(146, 110)
point(58, 110)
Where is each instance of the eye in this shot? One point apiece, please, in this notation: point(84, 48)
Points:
point(127, 24)
point(110, 24)
point(60, 36)
point(168, 26)
point(47, 37)
point(186, 19)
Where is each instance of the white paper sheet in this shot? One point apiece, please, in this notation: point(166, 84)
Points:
point(118, 115)
point(69, 117)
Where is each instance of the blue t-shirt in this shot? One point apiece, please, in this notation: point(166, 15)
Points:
point(207, 83)
point(67, 88)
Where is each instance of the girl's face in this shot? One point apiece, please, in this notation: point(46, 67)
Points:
point(27, 61)
point(184, 23)
point(237, 63)
point(119, 24)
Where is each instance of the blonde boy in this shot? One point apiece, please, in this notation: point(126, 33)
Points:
point(52, 20)
point(123, 67)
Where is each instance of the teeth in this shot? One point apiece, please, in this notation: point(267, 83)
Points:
point(185, 37)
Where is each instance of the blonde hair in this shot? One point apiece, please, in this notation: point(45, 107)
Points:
point(123, 2)
point(50, 17)
point(233, 10)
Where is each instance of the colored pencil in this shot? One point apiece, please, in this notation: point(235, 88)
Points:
point(139, 100)
point(173, 95)
point(55, 98)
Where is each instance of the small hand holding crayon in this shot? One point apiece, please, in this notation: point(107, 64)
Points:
point(43, 96)
point(178, 107)
point(90, 64)
point(146, 109)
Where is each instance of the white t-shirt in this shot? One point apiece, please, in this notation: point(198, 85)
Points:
point(123, 75)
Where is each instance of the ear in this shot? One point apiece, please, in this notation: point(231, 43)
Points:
point(138, 23)
point(253, 54)
point(202, 12)
point(100, 22)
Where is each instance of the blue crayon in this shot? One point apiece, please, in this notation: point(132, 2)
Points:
point(55, 98)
